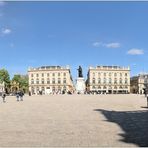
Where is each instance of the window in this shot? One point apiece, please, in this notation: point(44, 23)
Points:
point(99, 81)
point(59, 81)
point(120, 74)
point(64, 80)
point(104, 87)
point(64, 74)
point(42, 75)
point(53, 81)
point(37, 75)
point(109, 74)
point(125, 80)
point(58, 74)
point(115, 87)
point(99, 74)
point(115, 81)
point(59, 88)
point(125, 74)
point(120, 81)
point(93, 81)
point(99, 87)
point(64, 88)
point(31, 75)
point(120, 87)
point(43, 88)
point(93, 87)
point(42, 81)
point(104, 74)
point(32, 81)
point(47, 74)
point(110, 80)
point(93, 74)
point(37, 89)
point(48, 81)
point(37, 81)
point(53, 88)
point(115, 74)
point(53, 74)
point(104, 80)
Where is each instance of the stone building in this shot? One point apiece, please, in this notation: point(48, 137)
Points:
point(2, 87)
point(50, 80)
point(108, 79)
point(139, 83)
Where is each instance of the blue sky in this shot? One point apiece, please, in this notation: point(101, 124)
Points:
point(34, 34)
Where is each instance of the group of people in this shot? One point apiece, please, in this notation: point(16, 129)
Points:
point(19, 96)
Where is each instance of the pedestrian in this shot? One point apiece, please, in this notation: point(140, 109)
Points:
point(21, 94)
point(17, 96)
point(4, 97)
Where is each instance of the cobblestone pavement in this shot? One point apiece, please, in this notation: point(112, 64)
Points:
point(74, 121)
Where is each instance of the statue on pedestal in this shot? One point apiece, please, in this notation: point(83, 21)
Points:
point(80, 72)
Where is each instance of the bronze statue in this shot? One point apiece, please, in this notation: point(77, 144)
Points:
point(80, 72)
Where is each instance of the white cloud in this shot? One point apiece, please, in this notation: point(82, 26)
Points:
point(2, 3)
point(6, 31)
point(135, 51)
point(97, 44)
point(109, 45)
point(112, 45)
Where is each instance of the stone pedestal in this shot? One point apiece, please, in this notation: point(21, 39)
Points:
point(80, 85)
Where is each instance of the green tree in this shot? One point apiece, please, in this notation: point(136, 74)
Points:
point(4, 77)
point(22, 81)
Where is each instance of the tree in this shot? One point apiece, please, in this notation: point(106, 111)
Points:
point(4, 77)
point(21, 81)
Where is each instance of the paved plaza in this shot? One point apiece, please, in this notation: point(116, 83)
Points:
point(74, 121)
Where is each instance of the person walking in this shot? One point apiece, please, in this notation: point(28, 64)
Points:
point(17, 96)
point(4, 97)
point(21, 94)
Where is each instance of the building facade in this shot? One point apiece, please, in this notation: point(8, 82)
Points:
point(50, 80)
point(2, 87)
point(139, 83)
point(108, 79)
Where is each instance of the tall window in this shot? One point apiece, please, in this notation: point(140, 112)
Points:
point(115, 74)
point(42, 75)
point(93, 81)
point(93, 74)
point(125, 74)
point(120, 81)
point(32, 81)
point(42, 81)
point(64, 74)
point(59, 81)
point(125, 80)
point(58, 74)
point(53, 74)
point(99, 81)
point(104, 81)
point(53, 81)
point(104, 74)
point(37, 75)
point(120, 74)
point(37, 81)
point(47, 74)
point(64, 80)
point(110, 80)
point(115, 81)
point(48, 81)
point(109, 74)
point(31, 75)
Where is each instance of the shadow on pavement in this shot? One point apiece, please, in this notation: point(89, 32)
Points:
point(133, 123)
